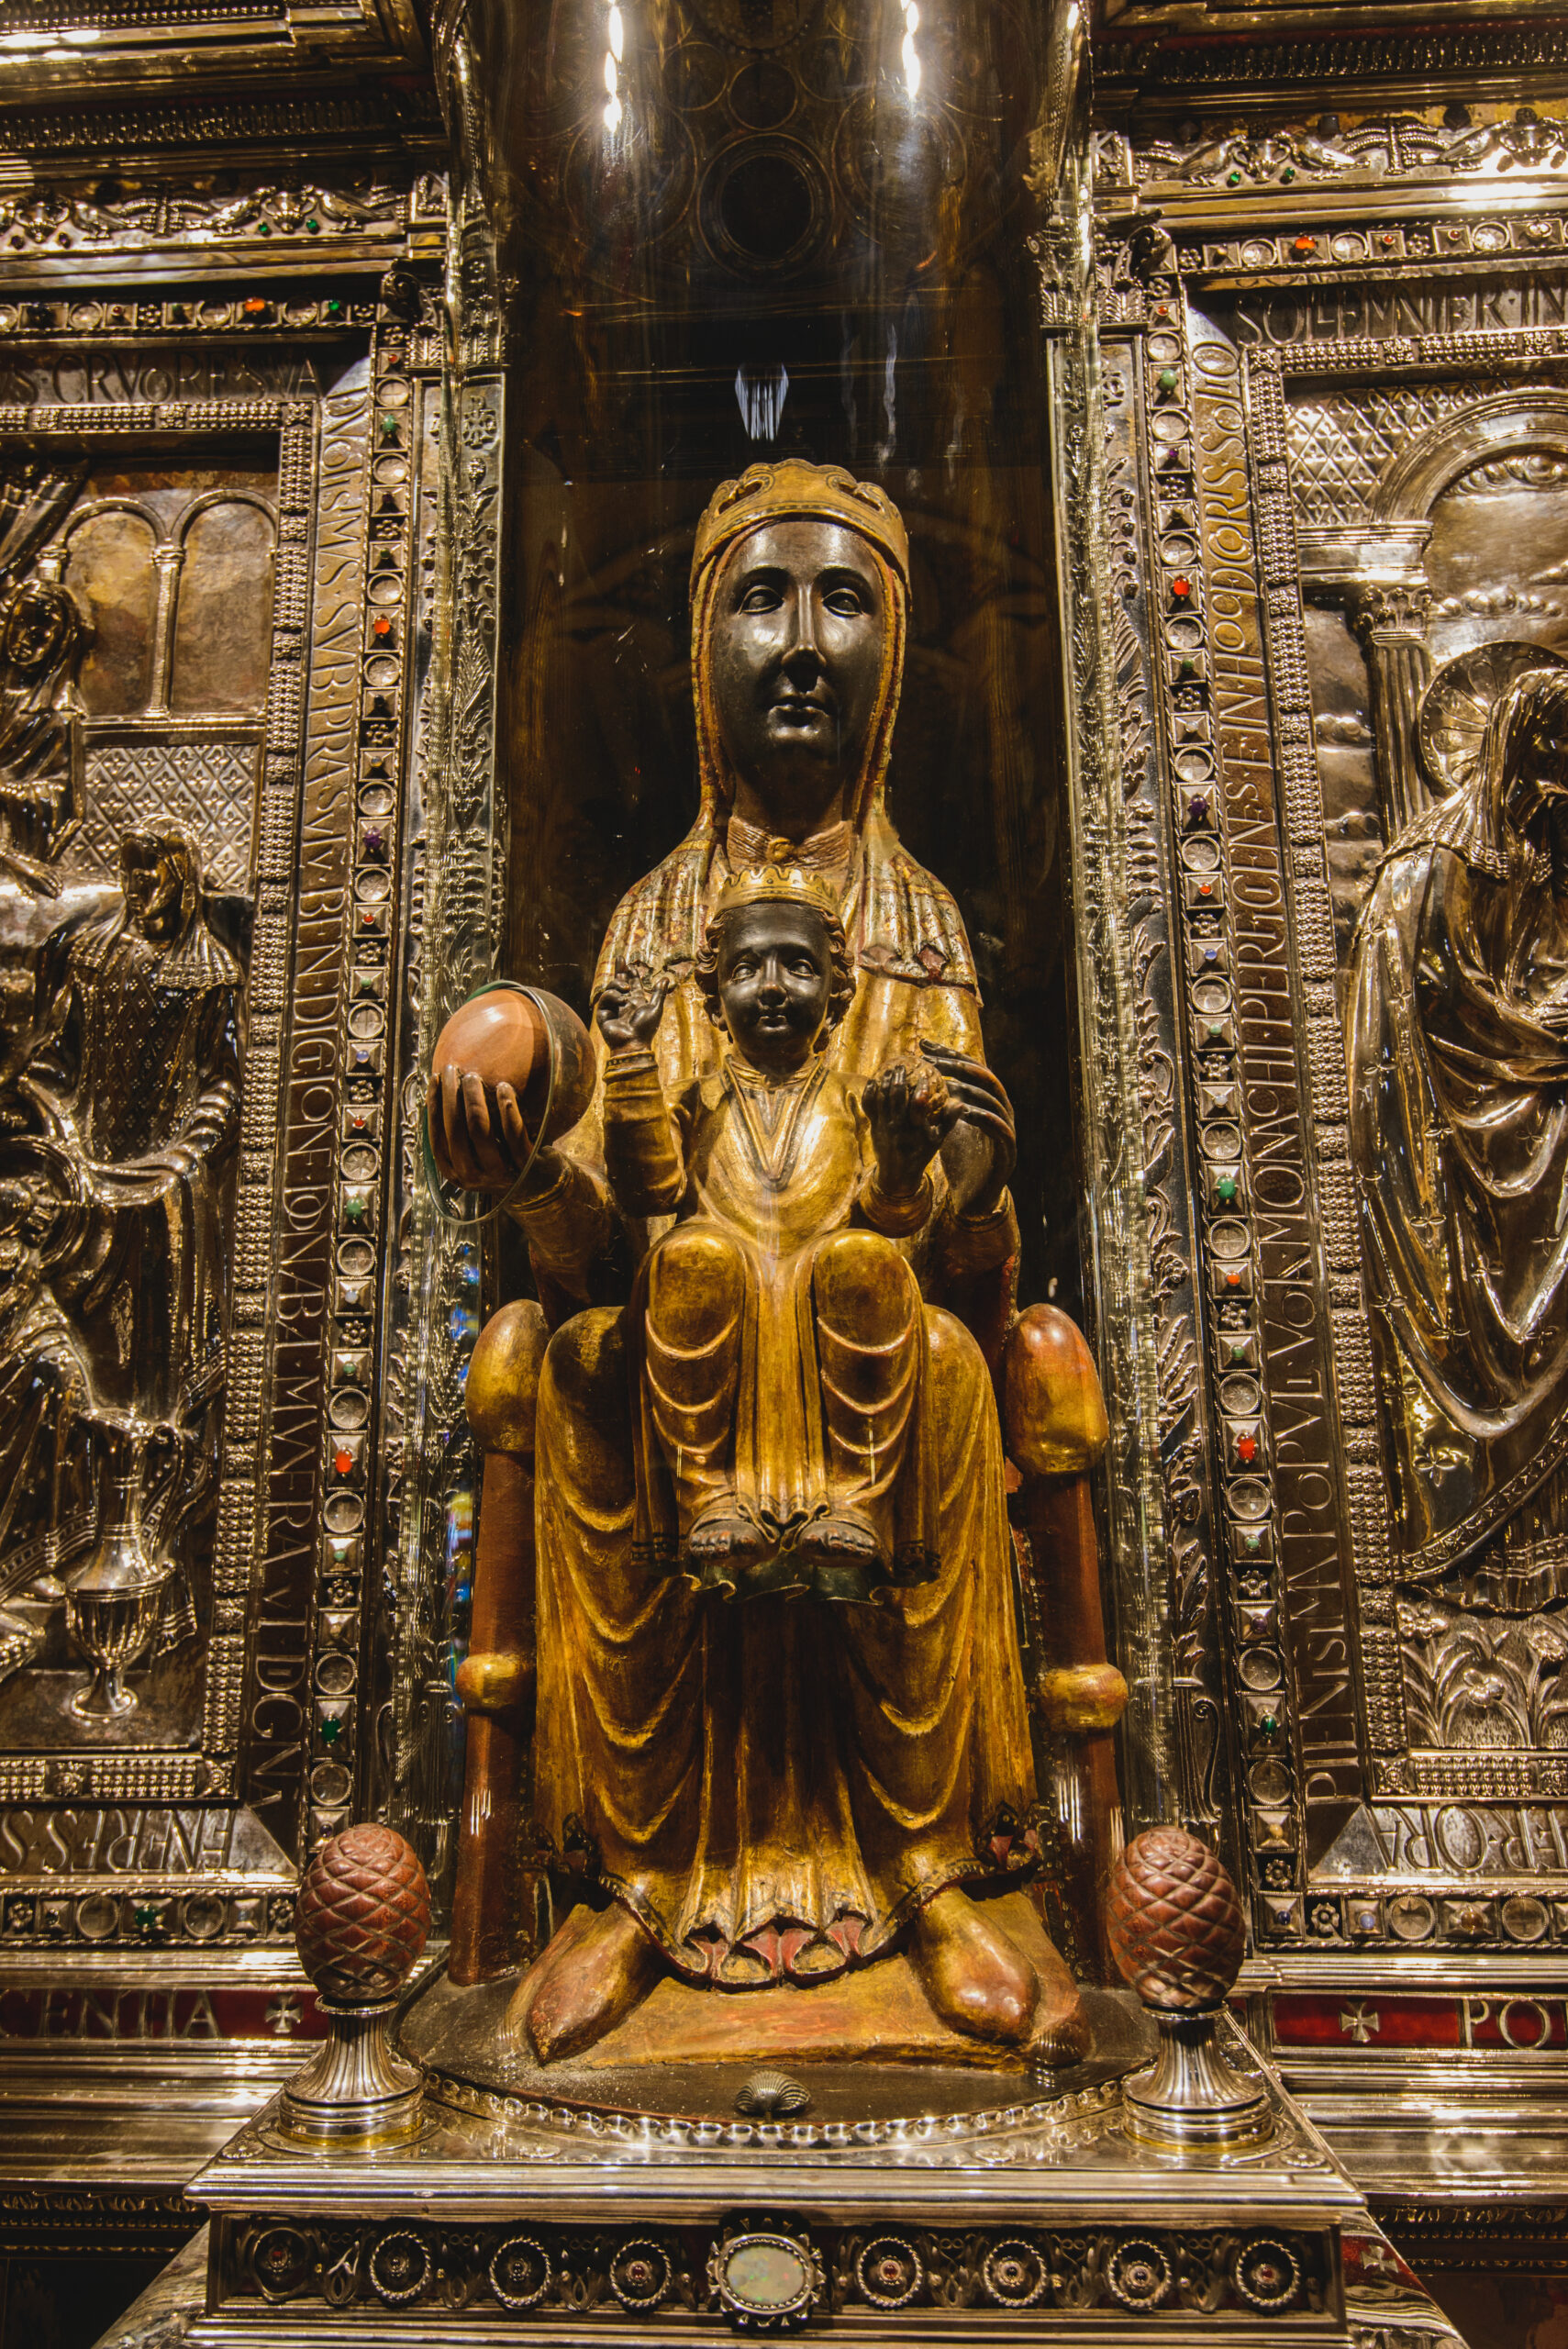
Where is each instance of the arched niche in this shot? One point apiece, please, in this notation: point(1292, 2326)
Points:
point(111, 568)
point(1383, 570)
point(223, 608)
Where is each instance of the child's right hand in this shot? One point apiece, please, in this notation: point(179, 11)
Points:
point(630, 1007)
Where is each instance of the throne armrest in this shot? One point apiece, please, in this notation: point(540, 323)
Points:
point(496, 1681)
point(1054, 1420)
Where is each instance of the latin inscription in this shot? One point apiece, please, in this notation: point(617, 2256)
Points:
point(113, 1840)
point(280, 1706)
point(1391, 314)
point(73, 377)
point(1292, 1352)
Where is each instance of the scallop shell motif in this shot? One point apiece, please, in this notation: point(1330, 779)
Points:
point(771, 2096)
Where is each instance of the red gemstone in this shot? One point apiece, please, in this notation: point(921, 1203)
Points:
point(344, 1463)
point(1181, 587)
point(1246, 1448)
point(1306, 244)
point(381, 627)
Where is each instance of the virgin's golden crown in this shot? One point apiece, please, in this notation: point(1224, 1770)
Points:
point(788, 488)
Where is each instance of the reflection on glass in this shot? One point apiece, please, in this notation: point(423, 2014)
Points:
point(744, 228)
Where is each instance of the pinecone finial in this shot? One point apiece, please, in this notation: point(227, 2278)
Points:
point(1174, 1921)
point(363, 1919)
point(1176, 1929)
point(364, 1916)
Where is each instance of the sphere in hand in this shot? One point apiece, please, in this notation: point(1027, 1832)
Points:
point(364, 1916)
point(1174, 1921)
point(533, 1042)
point(501, 1038)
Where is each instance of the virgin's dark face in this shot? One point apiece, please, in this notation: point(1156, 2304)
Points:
point(796, 655)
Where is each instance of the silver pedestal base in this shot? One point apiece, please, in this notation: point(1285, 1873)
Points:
point(359, 2091)
point(960, 2211)
point(1190, 2095)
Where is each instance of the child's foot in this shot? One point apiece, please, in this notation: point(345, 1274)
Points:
point(842, 1557)
point(723, 1548)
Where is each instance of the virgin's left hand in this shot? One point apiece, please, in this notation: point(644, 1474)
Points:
point(979, 1152)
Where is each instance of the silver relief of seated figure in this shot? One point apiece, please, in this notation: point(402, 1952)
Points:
point(120, 1122)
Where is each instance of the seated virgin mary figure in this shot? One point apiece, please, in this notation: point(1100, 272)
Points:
point(776, 1788)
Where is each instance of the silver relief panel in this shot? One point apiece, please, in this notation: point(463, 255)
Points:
point(1367, 558)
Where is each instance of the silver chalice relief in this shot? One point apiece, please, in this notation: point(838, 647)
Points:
point(115, 1598)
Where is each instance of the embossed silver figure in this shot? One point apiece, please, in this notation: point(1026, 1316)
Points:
point(111, 1358)
point(1458, 1049)
point(43, 637)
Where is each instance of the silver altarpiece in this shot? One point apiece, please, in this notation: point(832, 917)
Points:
point(280, 753)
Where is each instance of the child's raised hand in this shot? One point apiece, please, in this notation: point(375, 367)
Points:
point(629, 1005)
point(910, 1116)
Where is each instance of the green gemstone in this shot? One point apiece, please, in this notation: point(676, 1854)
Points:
point(353, 1210)
point(145, 1919)
point(1226, 1187)
point(1239, 1353)
point(330, 1732)
point(266, 227)
point(314, 227)
point(1167, 379)
point(1233, 179)
point(388, 428)
point(334, 310)
point(1288, 174)
point(1268, 1725)
point(1188, 669)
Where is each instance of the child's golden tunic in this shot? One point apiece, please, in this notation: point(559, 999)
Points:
point(760, 1387)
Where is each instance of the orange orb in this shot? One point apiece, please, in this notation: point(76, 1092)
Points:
point(501, 1038)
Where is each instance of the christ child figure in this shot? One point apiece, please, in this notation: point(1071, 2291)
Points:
point(777, 1325)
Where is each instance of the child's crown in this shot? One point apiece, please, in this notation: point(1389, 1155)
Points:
point(772, 884)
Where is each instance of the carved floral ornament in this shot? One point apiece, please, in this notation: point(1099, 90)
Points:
point(1112, 2271)
point(1334, 149)
point(115, 217)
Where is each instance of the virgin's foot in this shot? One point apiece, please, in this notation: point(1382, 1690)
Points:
point(1059, 2033)
point(974, 1978)
point(598, 1968)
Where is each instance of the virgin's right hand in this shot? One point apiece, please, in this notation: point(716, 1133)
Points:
point(484, 1150)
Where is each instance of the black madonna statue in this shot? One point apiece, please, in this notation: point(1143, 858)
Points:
point(781, 1732)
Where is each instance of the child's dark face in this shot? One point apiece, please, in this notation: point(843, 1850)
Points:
point(776, 973)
